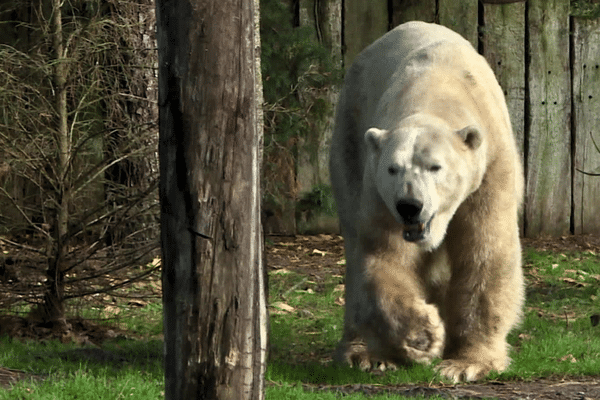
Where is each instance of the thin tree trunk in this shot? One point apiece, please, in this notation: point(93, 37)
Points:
point(210, 152)
point(52, 309)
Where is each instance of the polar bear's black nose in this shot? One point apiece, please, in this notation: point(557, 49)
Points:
point(409, 210)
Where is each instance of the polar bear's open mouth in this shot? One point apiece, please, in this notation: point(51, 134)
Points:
point(415, 232)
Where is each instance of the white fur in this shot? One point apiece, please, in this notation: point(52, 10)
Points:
point(421, 120)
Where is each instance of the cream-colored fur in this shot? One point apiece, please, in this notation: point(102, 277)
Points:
point(428, 183)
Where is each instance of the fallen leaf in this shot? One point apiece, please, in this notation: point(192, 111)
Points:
point(339, 288)
point(319, 252)
point(575, 271)
point(574, 282)
point(137, 303)
point(110, 311)
point(568, 357)
point(155, 262)
point(281, 271)
point(283, 306)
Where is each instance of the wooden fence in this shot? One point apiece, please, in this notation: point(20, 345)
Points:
point(547, 62)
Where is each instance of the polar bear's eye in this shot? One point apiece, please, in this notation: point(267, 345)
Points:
point(435, 168)
point(393, 169)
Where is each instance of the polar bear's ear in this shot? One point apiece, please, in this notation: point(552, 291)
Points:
point(373, 138)
point(471, 136)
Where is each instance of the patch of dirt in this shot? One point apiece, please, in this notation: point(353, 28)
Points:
point(9, 377)
point(78, 330)
point(313, 256)
point(319, 256)
point(563, 389)
point(565, 244)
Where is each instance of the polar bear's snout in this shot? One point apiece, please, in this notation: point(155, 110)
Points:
point(409, 210)
point(415, 226)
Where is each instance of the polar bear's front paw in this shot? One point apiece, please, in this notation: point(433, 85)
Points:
point(465, 370)
point(357, 354)
point(425, 339)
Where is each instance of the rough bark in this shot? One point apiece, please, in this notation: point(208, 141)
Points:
point(210, 149)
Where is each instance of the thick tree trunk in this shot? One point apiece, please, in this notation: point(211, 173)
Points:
point(210, 151)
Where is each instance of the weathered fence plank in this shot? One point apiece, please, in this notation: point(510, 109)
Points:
point(312, 162)
point(364, 22)
point(503, 38)
point(503, 35)
point(460, 16)
point(411, 10)
point(548, 146)
point(586, 101)
point(540, 67)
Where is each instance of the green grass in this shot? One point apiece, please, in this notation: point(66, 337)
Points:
point(556, 336)
point(123, 368)
point(555, 339)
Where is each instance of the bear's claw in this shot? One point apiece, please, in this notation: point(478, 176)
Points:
point(464, 370)
point(356, 354)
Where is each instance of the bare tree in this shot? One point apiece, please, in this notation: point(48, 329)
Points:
point(210, 150)
point(72, 77)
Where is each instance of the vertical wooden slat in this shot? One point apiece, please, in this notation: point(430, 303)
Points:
point(503, 46)
point(411, 10)
point(364, 22)
point(586, 98)
point(460, 16)
point(504, 39)
point(548, 191)
point(325, 17)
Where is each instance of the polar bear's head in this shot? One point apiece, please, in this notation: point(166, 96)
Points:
point(423, 171)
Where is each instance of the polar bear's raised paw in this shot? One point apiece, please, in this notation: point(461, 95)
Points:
point(425, 340)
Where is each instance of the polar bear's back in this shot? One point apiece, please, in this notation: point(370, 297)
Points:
point(410, 37)
point(411, 47)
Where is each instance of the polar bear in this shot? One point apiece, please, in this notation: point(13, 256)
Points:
point(428, 183)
